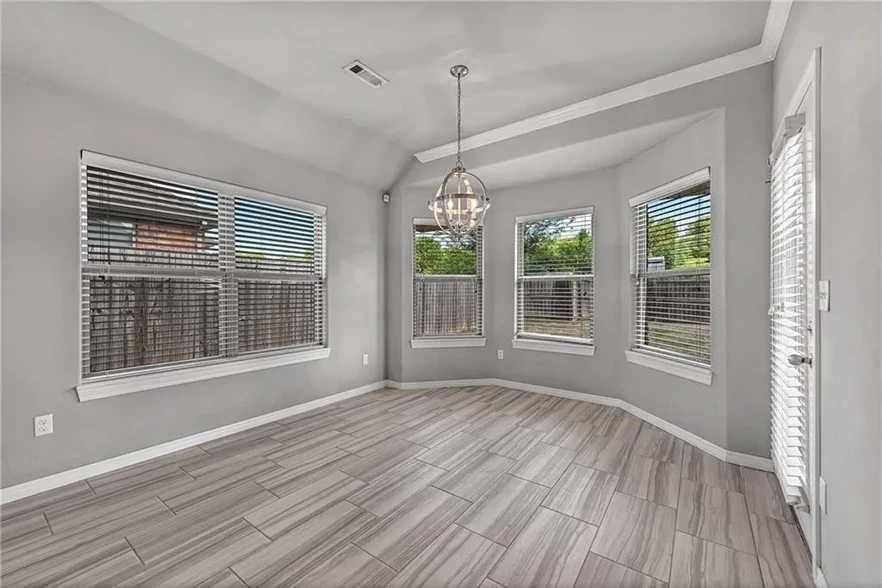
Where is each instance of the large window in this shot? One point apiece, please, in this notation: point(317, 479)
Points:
point(555, 278)
point(671, 270)
point(180, 271)
point(447, 284)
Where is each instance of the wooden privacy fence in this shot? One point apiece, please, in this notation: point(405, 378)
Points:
point(556, 299)
point(138, 321)
point(278, 314)
point(144, 321)
point(446, 305)
point(678, 298)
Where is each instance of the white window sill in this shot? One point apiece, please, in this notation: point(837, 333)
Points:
point(126, 384)
point(698, 374)
point(552, 346)
point(447, 342)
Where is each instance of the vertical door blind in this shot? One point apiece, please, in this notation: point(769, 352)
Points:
point(176, 273)
point(788, 311)
point(555, 277)
point(670, 270)
point(447, 282)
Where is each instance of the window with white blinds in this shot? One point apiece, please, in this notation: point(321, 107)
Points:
point(671, 270)
point(447, 282)
point(788, 310)
point(554, 287)
point(178, 270)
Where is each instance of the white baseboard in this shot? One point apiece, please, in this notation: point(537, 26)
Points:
point(439, 384)
point(733, 457)
point(102, 467)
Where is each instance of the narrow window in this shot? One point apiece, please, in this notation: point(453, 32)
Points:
point(671, 270)
point(447, 283)
point(555, 277)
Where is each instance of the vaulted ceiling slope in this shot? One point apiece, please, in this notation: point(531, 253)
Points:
point(93, 51)
point(269, 73)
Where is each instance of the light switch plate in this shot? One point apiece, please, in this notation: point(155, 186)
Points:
point(365, 359)
point(822, 495)
point(824, 295)
point(499, 354)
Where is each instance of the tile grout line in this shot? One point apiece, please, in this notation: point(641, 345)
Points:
point(133, 551)
point(755, 545)
point(255, 528)
point(162, 502)
point(188, 474)
point(46, 518)
point(378, 560)
point(232, 571)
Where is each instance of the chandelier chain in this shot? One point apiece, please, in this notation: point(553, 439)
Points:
point(459, 121)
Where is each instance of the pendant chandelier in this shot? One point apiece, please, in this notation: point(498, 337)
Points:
point(461, 201)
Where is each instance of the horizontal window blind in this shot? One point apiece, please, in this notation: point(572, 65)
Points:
point(174, 273)
point(447, 282)
point(555, 277)
point(789, 314)
point(670, 257)
point(280, 270)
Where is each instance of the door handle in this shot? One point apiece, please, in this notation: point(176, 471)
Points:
point(798, 360)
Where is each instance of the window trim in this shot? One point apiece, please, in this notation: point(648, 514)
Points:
point(553, 346)
point(445, 341)
point(117, 385)
point(164, 375)
point(539, 341)
point(646, 356)
point(677, 367)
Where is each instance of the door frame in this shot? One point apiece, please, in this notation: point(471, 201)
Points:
point(810, 85)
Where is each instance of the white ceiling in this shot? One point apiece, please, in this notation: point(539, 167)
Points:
point(269, 73)
point(525, 57)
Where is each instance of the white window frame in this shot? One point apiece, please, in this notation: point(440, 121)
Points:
point(160, 376)
point(552, 343)
point(659, 360)
point(446, 341)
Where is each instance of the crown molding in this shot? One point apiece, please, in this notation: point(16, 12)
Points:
point(660, 85)
point(776, 20)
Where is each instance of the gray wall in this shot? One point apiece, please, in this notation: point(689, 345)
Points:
point(592, 375)
point(420, 365)
point(42, 134)
point(850, 159)
point(733, 139)
point(696, 407)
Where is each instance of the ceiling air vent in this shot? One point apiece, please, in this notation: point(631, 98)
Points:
point(365, 74)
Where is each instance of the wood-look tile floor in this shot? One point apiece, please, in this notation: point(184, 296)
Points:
point(481, 487)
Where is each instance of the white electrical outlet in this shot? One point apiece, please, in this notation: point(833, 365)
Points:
point(43, 425)
point(822, 495)
point(499, 354)
point(365, 359)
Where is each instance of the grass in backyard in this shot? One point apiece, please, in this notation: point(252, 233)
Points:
point(579, 328)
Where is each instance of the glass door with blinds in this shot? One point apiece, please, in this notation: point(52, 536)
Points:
point(791, 310)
